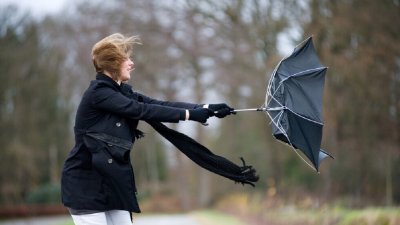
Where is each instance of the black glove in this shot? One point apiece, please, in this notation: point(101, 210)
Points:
point(199, 114)
point(221, 110)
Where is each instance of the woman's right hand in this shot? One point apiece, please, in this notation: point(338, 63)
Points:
point(200, 114)
point(221, 110)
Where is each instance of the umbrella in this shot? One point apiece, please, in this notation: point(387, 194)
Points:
point(293, 102)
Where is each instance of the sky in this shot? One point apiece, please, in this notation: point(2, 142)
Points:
point(40, 8)
point(37, 7)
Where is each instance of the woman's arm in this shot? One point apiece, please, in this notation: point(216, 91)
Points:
point(112, 101)
point(182, 105)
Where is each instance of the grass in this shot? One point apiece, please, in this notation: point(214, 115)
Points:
point(376, 216)
point(258, 209)
point(68, 223)
point(336, 216)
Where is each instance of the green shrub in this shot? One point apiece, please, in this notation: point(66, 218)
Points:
point(46, 193)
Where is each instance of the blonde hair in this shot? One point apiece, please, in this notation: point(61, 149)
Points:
point(109, 53)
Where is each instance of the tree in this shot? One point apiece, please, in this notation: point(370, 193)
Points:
point(34, 119)
point(362, 49)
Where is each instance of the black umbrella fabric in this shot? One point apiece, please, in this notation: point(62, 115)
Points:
point(294, 102)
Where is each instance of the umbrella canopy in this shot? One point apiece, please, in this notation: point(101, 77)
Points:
point(294, 101)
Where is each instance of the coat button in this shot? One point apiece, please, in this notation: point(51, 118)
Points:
point(110, 161)
point(118, 124)
point(110, 145)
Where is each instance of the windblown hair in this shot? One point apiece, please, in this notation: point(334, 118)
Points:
point(109, 53)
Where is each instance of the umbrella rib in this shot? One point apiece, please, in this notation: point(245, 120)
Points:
point(280, 127)
point(303, 117)
point(279, 116)
point(279, 64)
point(272, 78)
point(285, 107)
point(301, 157)
point(272, 95)
point(304, 71)
point(281, 82)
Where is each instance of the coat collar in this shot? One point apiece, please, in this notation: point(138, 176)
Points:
point(109, 80)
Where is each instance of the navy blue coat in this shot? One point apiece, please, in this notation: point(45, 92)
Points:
point(98, 174)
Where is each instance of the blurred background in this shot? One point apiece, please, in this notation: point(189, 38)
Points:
point(209, 52)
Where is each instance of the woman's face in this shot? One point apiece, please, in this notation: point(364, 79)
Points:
point(126, 68)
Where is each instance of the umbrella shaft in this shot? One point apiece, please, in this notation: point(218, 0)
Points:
point(249, 110)
point(260, 109)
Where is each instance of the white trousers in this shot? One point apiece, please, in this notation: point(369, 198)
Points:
point(113, 217)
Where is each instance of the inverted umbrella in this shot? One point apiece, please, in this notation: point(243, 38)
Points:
point(293, 102)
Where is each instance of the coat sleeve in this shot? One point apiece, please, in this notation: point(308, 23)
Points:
point(182, 105)
point(112, 101)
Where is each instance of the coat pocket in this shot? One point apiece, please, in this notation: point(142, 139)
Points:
point(120, 154)
point(118, 148)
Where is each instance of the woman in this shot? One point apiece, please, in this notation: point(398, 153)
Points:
point(98, 185)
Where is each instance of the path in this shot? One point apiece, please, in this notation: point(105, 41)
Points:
point(176, 219)
point(51, 220)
